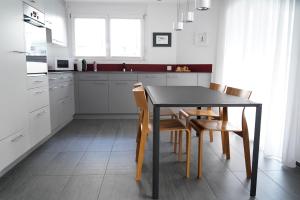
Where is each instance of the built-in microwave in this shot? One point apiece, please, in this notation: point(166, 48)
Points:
point(62, 64)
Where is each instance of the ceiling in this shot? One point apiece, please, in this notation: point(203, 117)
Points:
point(121, 1)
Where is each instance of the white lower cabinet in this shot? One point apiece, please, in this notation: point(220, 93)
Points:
point(62, 105)
point(38, 108)
point(39, 125)
point(182, 79)
point(121, 98)
point(13, 147)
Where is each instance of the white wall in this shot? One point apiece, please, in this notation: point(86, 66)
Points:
point(205, 21)
point(160, 18)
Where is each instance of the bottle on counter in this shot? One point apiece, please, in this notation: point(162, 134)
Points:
point(79, 65)
point(84, 66)
point(95, 66)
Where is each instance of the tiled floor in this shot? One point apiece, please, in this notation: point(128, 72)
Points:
point(94, 160)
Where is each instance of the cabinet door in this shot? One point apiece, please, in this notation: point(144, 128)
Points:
point(55, 18)
point(121, 99)
point(182, 79)
point(54, 111)
point(37, 4)
point(93, 97)
point(153, 79)
point(13, 102)
point(204, 79)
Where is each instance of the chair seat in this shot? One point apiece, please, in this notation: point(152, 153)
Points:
point(169, 125)
point(198, 112)
point(215, 125)
point(164, 112)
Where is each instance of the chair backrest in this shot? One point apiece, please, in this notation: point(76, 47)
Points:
point(243, 94)
point(142, 103)
point(217, 87)
point(238, 92)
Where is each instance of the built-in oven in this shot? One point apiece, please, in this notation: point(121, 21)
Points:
point(36, 42)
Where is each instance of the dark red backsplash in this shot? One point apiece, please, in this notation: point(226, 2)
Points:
point(150, 67)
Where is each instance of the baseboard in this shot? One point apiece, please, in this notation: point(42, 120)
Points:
point(298, 163)
point(106, 116)
point(29, 151)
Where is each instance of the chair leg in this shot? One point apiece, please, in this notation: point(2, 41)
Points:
point(171, 137)
point(200, 153)
point(247, 154)
point(175, 142)
point(227, 146)
point(211, 136)
point(180, 146)
point(223, 142)
point(140, 159)
point(188, 153)
point(138, 138)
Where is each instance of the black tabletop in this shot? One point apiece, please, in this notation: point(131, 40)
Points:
point(193, 96)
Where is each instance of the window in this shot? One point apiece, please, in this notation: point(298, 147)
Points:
point(125, 37)
point(90, 37)
point(112, 38)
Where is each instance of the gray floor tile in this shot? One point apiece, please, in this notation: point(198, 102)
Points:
point(82, 188)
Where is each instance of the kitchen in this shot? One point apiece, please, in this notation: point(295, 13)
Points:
point(69, 116)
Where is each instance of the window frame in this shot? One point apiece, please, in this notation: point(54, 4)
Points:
point(107, 18)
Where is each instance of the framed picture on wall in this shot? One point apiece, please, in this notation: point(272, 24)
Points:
point(162, 39)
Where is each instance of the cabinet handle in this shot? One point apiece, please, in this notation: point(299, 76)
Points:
point(52, 79)
point(19, 52)
point(38, 81)
point(39, 92)
point(40, 113)
point(17, 138)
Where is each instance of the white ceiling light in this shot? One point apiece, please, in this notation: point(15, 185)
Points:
point(178, 25)
point(189, 15)
point(202, 4)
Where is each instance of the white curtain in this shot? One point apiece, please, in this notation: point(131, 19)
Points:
point(255, 45)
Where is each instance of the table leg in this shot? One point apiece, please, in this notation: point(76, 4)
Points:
point(255, 150)
point(155, 175)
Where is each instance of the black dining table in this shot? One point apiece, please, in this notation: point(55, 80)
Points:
point(197, 96)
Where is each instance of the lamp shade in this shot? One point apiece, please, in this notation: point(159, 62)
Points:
point(178, 26)
point(202, 4)
point(189, 16)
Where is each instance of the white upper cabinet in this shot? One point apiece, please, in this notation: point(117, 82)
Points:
point(55, 19)
point(13, 115)
point(37, 4)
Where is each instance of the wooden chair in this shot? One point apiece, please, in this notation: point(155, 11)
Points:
point(164, 112)
point(209, 113)
point(224, 126)
point(145, 128)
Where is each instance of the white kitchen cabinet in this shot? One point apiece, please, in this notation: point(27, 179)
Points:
point(12, 147)
point(39, 125)
point(37, 4)
point(204, 79)
point(62, 105)
point(182, 79)
point(13, 115)
point(121, 98)
point(55, 19)
point(93, 97)
point(154, 79)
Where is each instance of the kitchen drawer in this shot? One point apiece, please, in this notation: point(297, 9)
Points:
point(39, 125)
point(37, 81)
point(123, 77)
point(182, 79)
point(13, 147)
point(64, 90)
point(65, 77)
point(155, 79)
point(92, 76)
point(38, 98)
